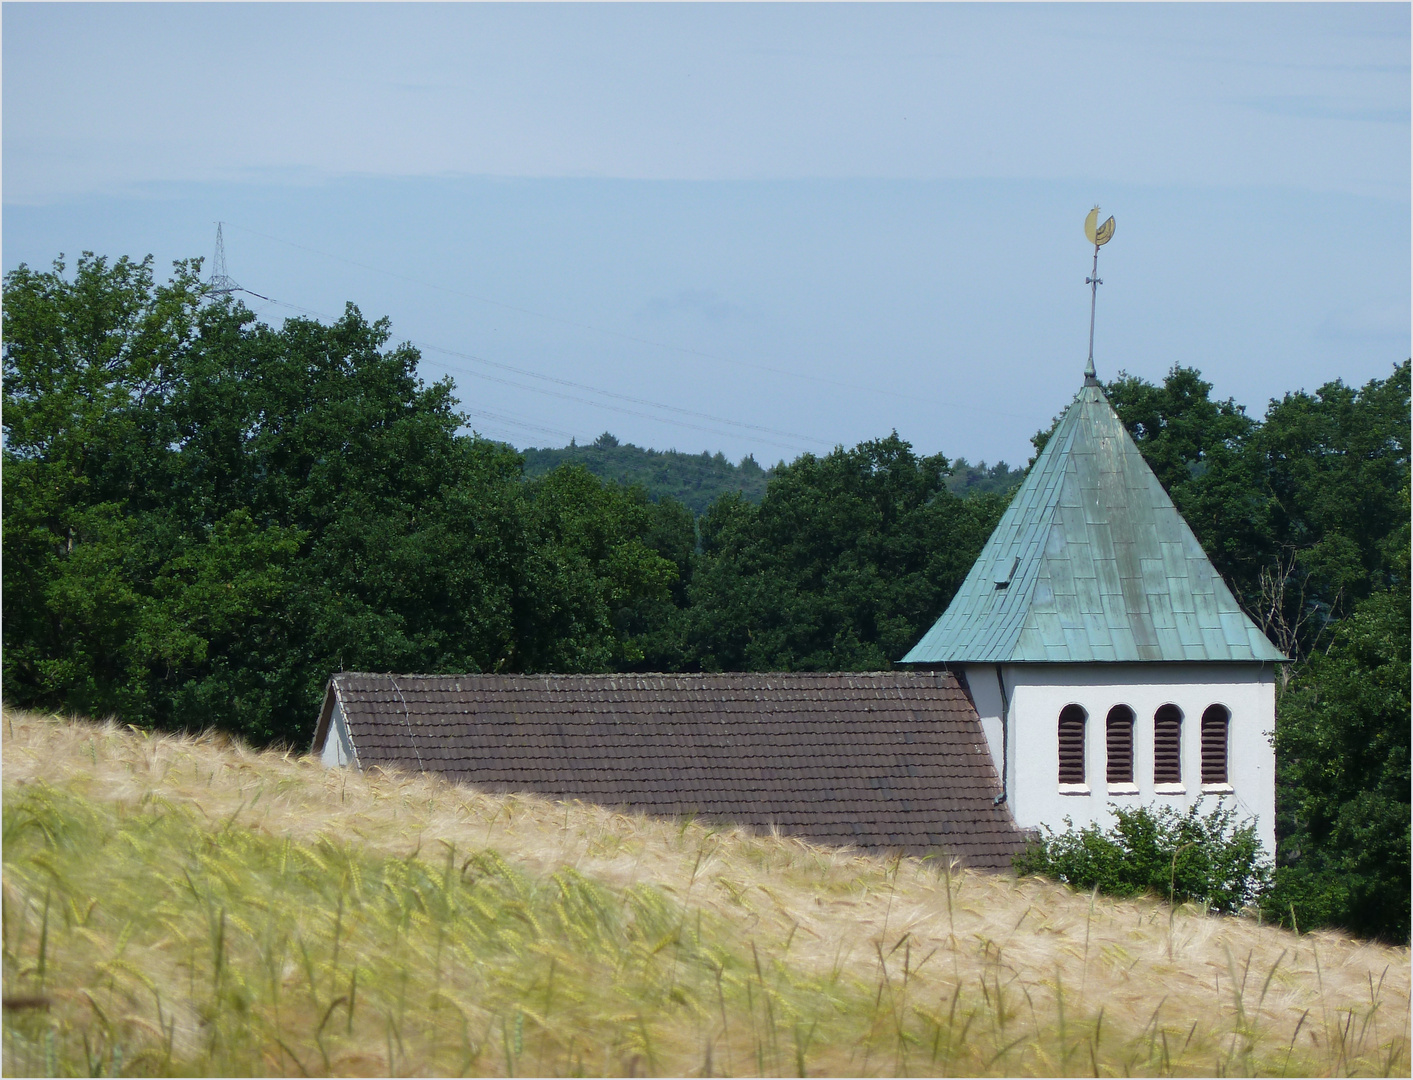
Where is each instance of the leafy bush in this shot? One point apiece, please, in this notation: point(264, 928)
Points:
point(1209, 858)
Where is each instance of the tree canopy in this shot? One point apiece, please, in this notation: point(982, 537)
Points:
point(204, 516)
point(842, 566)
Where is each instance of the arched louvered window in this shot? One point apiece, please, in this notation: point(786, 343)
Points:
point(1167, 745)
point(1072, 719)
point(1118, 731)
point(1214, 744)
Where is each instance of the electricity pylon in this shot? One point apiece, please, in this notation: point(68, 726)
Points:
point(221, 283)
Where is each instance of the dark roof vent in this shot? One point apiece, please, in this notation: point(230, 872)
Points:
point(1004, 574)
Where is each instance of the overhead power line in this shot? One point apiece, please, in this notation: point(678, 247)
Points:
point(623, 397)
point(621, 409)
point(684, 350)
point(507, 419)
point(756, 429)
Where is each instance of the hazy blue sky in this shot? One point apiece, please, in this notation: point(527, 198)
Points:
point(774, 228)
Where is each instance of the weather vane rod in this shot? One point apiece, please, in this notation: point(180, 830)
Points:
point(1098, 236)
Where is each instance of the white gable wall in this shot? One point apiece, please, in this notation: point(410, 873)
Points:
point(337, 749)
point(1036, 693)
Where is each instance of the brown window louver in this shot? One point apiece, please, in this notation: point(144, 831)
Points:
point(1167, 745)
point(1214, 744)
point(1119, 741)
point(1072, 719)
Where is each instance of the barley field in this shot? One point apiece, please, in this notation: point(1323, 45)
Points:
point(187, 906)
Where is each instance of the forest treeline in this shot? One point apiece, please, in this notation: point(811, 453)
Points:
point(694, 480)
point(205, 516)
point(698, 480)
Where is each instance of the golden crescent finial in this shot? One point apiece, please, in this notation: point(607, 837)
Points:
point(1098, 235)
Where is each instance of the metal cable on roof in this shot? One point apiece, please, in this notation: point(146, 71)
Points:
point(407, 719)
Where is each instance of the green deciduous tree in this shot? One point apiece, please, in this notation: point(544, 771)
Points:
point(1331, 465)
point(590, 569)
point(842, 566)
point(1343, 779)
point(205, 516)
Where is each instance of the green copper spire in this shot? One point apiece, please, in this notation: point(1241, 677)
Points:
point(1092, 562)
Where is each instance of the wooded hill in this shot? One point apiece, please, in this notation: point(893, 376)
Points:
point(694, 480)
point(205, 516)
point(698, 480)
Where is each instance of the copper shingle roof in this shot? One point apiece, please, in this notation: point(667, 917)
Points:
point(1092, 562)
point(892, 760)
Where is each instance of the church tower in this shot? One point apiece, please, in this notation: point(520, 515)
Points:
point(1107, 658)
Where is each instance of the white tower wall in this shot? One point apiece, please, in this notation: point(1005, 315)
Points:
point(1031, 697)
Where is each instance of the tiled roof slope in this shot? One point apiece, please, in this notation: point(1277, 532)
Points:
point(1099, 563)
point(885, 760)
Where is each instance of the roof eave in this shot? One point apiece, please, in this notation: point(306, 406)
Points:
point(973, 658)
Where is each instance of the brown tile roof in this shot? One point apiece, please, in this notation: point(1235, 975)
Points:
point(878, 760)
